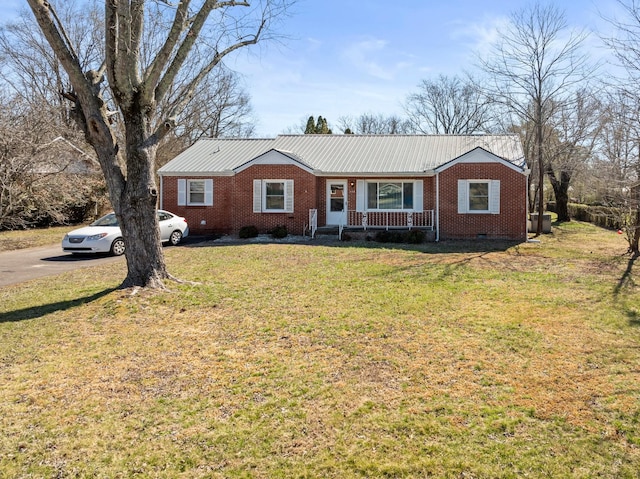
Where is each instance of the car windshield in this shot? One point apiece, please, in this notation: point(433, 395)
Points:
point(107, 220)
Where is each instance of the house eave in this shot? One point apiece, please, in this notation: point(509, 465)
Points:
point(377, 174)
point(193, 174)
point(322, 174)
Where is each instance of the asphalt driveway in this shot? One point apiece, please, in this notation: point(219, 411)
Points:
point(31, 263)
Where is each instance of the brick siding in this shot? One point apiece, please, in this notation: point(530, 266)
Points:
point(233, 201)
point(510, 224)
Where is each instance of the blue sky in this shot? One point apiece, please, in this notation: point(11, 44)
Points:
point(349, 57)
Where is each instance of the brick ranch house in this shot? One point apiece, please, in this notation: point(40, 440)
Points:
point(457, 186)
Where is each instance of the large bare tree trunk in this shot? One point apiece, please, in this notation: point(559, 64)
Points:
point(138, 84)
point(634, 243)
point(145, 259)
point(561, 193)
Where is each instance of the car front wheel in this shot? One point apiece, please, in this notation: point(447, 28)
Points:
point(117, 247)
point(175, 237)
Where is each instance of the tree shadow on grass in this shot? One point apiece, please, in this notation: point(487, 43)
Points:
point(42, 310)
point(428, 247)
point(627, 283)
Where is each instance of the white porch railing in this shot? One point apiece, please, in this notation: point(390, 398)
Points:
point(390, 219)
point(313, 222)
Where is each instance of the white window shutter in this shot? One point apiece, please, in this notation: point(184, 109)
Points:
point(257, 196)
point(494, 197)
point(361, 195)
point(463, 196)
point(208, 192)
point(288, 196)
point(418, 187)
point(182, 192)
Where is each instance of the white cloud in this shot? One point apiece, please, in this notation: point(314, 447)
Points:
point(479, 37)
point(377, 59)
point(364, 55)
point(313, 44)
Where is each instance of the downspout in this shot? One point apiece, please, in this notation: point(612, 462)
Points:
point(161, 191)
point(437, 207)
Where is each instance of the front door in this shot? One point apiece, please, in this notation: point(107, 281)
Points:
point(336, 202)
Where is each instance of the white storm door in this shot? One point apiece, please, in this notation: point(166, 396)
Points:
point(336, 202)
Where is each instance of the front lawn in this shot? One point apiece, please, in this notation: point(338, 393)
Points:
point(350, 361)
point(29, 238)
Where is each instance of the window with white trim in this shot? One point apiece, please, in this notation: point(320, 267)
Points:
point(389, 195)
point(479, 196)
point(273, 196)
point(195, 192)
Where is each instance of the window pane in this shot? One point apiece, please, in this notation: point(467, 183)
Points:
point(275, 189)
point(196, 192)
point(479, 204)
point(407, 200)
point(275, 202)
point(390, 196)
point(337, 191)
point(479, 196)
point(372, 196)
point(274, 196)
point(478, 189)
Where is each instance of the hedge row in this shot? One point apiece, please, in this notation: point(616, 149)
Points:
point(604, 216)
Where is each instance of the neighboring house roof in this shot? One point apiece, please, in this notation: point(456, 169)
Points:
point(344, 154)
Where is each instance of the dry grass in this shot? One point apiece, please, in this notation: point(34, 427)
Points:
point(450, 360)
point(19, 239)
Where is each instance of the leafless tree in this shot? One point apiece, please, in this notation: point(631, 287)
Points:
point(167, 70)
point(618, 144)
point(220, 108)
point(625, 45)
point(40, 185)
point(535, 66)
point(374, 124)
point(449, 105)
point(30, 69)
point(42, 182)
point(572, 134)
point(617, 172)
point(225, 109)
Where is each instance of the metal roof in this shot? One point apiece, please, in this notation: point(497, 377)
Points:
point(344, 154)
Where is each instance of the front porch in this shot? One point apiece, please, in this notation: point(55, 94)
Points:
point(372, 220)
point(389, 219)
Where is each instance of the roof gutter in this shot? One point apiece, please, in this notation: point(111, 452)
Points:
point(378, 174)
point(204, 174)
point(318, 173)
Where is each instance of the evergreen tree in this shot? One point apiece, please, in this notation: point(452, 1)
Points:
point(320, 127)
point(311, 126)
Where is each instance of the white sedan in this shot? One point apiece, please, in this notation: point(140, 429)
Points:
point(104, 236)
